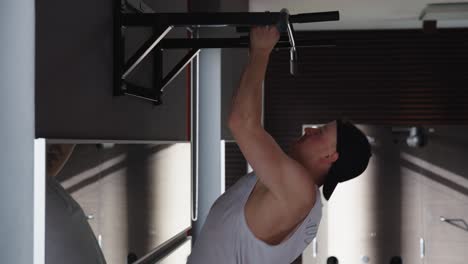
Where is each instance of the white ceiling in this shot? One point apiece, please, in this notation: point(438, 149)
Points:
point(359, 14)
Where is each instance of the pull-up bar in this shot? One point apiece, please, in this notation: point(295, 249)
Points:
point(222, 19)
point(163, 23)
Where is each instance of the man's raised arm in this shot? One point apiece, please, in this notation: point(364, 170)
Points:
point(283, 176)
point(247, 101)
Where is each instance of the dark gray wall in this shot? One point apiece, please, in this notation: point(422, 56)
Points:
point(17, 131)
point(235, 164)
point(74, 74)
point(233, 62)
point(75, 71)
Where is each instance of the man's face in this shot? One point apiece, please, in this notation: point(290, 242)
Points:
point(57, 155)
point(317, 144)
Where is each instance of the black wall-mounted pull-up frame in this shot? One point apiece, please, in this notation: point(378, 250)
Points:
point(163, 23)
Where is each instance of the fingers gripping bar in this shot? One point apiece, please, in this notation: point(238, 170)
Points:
point(285, 25)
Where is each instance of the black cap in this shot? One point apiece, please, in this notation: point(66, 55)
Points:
point(354, 152)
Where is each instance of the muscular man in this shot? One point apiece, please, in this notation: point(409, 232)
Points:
point(272, 214)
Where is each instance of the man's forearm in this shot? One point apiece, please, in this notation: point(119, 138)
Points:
point(247, 101)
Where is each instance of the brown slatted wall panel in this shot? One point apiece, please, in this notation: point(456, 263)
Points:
point(235, 164)
point(393, 77)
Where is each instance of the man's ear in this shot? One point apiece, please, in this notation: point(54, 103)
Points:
point(330, 158)
point(334, 157)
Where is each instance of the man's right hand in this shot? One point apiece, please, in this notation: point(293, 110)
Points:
point(263, 39)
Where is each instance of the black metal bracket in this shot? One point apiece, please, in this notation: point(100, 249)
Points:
point(163, 23)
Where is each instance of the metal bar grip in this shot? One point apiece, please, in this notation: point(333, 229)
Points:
point(293, 64)
point(283, 21)
point(315, 17)
point(293, 68)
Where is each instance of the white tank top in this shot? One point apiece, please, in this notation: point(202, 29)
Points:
point(226, 238)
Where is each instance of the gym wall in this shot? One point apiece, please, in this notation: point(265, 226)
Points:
point(74, 76)
point(235, 164)
point(137, 196)
point(386, 77)
point(74, 73)
point(398, 201)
